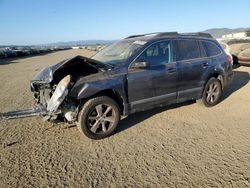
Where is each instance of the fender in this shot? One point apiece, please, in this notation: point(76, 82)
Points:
point(89, 86)
point(217, 72)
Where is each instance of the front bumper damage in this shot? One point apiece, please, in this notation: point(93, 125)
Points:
point(48, 104)
point(58, 97)
point(51, 87)
point(36, 111)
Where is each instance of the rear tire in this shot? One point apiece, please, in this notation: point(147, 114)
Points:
point(212, 92)
point(98, 117)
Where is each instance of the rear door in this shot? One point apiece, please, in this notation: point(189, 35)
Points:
point(192, 65)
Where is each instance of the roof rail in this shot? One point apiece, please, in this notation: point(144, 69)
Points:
point(133, 36)
point(199, 34)
point(162, 34)
point(155, 33)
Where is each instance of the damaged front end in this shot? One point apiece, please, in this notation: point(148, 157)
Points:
point(51, 96)
point(51, 87)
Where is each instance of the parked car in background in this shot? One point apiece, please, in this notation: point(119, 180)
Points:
point(10, 53)
point(244, 57)
point(138, 73)
point(2, 54)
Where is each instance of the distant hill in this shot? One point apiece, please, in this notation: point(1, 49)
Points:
point(218, 32)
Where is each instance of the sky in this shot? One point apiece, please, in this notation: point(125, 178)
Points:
point(31, 22)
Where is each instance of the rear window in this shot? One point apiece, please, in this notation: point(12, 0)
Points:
point(187, 49)
point(211, 48)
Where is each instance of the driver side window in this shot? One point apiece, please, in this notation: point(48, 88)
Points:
point(157, 54)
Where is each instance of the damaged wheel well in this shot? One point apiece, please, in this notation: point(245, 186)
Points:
point(112, 94)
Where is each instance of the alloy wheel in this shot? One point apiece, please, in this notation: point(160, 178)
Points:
point(101, 119)
point(212, 92)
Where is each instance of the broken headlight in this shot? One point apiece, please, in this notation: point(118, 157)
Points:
point(59, 94)
point(44, 76)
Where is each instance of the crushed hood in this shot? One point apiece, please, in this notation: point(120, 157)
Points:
point(77, 66)
point(92, 62)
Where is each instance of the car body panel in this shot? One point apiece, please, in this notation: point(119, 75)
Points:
point(91, 85)
point(191, 77)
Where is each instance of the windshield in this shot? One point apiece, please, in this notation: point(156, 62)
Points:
point(118, 52)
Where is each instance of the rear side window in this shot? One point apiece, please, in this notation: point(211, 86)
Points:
point(211, 48)
point(202, 50)
point(187, 49)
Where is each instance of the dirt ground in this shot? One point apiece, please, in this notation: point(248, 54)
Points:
point(184, 145)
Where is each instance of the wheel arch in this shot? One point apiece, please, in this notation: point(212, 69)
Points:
point(217, 75)
point(112, 93)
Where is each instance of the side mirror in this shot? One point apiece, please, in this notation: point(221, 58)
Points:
point(140, 65)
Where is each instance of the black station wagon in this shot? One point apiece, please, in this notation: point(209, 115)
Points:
point(138, 73)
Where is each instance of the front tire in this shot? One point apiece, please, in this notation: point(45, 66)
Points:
point(212, 92)
point(98, 117)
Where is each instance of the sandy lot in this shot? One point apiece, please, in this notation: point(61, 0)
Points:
point(237, 48)
point(185, 145)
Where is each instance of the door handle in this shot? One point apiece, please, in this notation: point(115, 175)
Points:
point(171, 70)
point(205, 65)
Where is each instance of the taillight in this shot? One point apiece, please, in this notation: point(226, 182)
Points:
point(230, 59)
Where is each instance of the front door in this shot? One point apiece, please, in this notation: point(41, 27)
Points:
point(155, 84)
